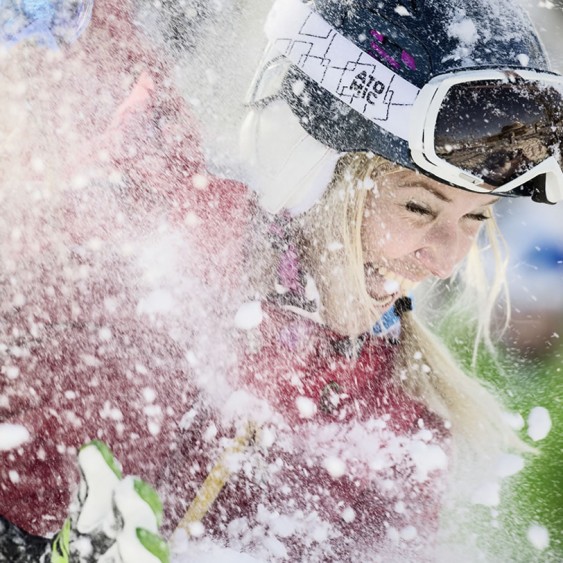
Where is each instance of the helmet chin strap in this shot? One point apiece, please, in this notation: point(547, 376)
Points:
point(286, 167)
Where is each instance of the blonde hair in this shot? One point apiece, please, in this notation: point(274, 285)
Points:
point(426, 369)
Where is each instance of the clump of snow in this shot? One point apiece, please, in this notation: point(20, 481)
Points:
point(408, 533)
point(348, 514)
point(281, 525)
point(391, 286)
point(204, 551)
point(79, 182)
point(464, 30)
point(399, 507)
point(311, 290)
point(523, 59)
point(402, 11)
point(266, 437)
point(210, 433)
point(149, 394)
point(11, 372)
point(13, 436)
point(200, 181)
point(90, 360)
point(365, 184)
point(306, 407)
point(509, 464)
point(191, 358)
point(111, 412)
point(515, 420)
point(335, 466)
point(538, 536)
point(426, 458)
point(298, 87)
point(240, 402)
point(216, 554)
point(539, 423)
point(249, 315)
point(196, 529)
point(104, 334)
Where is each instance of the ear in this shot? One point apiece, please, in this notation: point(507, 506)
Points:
point(284, 165)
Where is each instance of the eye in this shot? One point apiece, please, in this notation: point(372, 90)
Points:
point(419, 209)
point(478, 216)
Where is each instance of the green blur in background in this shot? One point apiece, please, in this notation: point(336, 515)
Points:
point(524, 378)
point(539, 487)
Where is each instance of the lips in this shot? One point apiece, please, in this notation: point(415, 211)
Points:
point(384, 285)
point(403, 284)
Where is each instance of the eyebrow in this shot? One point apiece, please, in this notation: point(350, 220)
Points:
point(424, 184)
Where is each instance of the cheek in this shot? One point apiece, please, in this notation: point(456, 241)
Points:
point(466, 242)
point(385, 237)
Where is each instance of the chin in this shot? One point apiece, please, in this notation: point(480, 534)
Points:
point(385, 301)
point(383, 304)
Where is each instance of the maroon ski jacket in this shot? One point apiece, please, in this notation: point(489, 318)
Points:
point(340, 465)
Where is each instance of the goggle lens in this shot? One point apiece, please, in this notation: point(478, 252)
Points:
point(499, 130)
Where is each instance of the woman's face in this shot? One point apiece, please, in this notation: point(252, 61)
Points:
point(415, 228)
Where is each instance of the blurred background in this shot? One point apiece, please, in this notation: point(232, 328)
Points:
point(534, 234)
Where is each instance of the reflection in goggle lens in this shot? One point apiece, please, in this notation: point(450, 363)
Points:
point(498, 130)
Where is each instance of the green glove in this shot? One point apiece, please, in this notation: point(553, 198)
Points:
point(114, 520)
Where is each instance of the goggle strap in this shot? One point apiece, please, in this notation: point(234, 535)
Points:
point(336, 64)
point(552, 181)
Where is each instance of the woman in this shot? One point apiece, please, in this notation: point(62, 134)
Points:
point(350, 431)
point(345, 435)
point(334, 439)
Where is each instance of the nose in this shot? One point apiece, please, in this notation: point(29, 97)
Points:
point(442, 250)
point(439, 266)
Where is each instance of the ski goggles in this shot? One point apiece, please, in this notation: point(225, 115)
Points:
point(49, 22)
point(490, 130)
point(497, 131)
